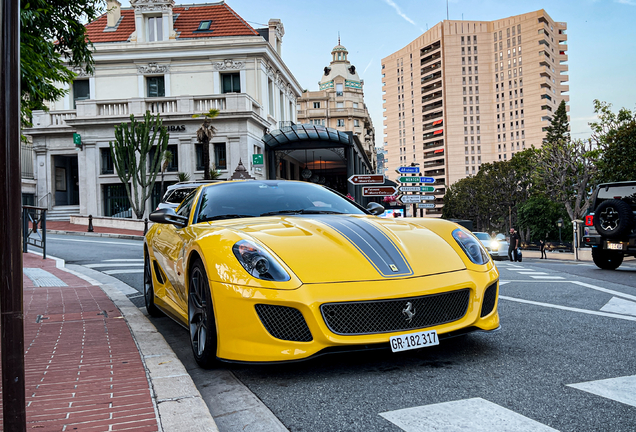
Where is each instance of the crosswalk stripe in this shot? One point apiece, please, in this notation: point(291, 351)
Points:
point(567, 308)
point(475, 415)
point(547, 277)
point(531, 273)
point(113, 265)
point(619, 389)
point(123, 271)
point(124, 259)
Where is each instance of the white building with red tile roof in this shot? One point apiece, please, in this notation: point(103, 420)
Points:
point(176, 61)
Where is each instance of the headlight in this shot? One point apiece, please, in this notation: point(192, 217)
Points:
point(494, 245)
point(473, 248)
point(258, 262)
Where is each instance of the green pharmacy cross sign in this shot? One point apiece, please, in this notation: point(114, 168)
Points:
point(77, 140)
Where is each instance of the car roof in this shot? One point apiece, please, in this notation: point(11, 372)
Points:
point(192, 183)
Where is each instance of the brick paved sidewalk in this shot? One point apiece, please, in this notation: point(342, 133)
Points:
point(83, 368)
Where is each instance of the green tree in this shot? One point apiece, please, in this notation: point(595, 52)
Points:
point(539, 214)
point(204, 134)
point(559, 126)
point(166, 160)
point(130, 151)
point(615, 138)
point(53, 40)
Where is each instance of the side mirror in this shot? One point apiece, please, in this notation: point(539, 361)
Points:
point(168, 216)
point(375, 209)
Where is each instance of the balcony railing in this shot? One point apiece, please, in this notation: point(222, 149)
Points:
point(120, 109)
point(26, 160)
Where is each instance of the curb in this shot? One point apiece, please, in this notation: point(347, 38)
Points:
point(178, 403)
point(94, 234)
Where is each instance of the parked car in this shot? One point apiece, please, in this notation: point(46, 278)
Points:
point(177, 192)
point(497, 247)
point(610, 229)
point(276, 270)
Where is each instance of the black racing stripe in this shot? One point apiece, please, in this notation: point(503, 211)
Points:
point(376, 247)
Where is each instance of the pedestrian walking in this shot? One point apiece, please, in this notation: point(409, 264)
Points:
point(513, 245)
point(542, 249)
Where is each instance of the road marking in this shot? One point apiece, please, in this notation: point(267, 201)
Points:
point(125, 260)
point(503, 282)
point(605, 290)
point(547, 277)
point(113, 265)
point(620, 306)
point(531, 273)
point(475, 415)
point(619, 389)
point(138, 243)
point(566, 308)
point(123, 271)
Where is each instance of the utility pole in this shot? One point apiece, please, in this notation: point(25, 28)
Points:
point(11, 305)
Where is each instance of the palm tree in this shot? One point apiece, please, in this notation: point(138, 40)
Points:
point(204, 135)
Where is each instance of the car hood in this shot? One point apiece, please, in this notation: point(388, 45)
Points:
point(335, 248)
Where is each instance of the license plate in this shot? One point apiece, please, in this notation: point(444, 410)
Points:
point(414, 340)
point(615, 246)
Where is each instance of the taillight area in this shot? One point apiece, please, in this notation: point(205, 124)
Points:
point(589, 220)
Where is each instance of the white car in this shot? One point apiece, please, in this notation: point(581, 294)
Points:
point(177, 193)
point(497, 247)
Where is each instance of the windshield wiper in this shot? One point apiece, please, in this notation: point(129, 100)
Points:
point(226, 216)
point(301, 211)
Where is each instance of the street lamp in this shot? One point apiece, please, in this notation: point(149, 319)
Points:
point(560, 225)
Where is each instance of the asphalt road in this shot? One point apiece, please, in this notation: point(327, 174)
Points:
point(564, 360)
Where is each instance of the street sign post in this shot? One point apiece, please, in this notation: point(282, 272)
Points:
point(369, 191)
point(408, 170)
point(416, 179)
point(417, 188)
point(367, 179)
point(425, 205)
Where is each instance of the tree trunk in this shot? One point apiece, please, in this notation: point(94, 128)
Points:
point(206, 158)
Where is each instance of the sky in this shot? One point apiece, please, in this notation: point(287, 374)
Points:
point(601, 41)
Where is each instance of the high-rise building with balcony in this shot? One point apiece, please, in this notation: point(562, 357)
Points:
point(469, 92)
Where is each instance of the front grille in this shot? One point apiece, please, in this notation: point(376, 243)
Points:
point(284, 322)
point(490, 297)
point(385, 316)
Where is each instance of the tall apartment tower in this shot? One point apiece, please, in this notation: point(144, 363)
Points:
point(469, 92)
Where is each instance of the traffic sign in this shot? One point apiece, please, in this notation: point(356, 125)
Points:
point(416, 179)
point(408, 170)
point(428, 197)
point(417, 188)
point(369, 191)
point(410, 199)
point(367, 179)
point(425, 205)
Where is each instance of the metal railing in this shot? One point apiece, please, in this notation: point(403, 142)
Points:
point(36, 217)
point(26, 160)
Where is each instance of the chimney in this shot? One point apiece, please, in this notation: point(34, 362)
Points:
point(113, 8)
point(276, 33)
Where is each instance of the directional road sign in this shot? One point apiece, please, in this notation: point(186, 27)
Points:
point(369, 191)
point(367, 179)
point(408, 170)
point(416, 179)
point(410, 199)
point(417, 188)
point(426, 205)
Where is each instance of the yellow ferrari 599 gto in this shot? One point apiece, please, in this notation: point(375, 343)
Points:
point(270, 271)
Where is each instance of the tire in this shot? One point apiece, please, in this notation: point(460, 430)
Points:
point(201, 322)
point(149, 289)
point(613, 219)
point(607, 260)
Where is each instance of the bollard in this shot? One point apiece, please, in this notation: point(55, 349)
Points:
point(90, 223)
point(145, 226)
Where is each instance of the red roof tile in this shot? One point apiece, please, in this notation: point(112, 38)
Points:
point(225, 22)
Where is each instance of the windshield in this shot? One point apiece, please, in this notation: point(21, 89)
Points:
point(266, 198)
point(178, 195)
point(482, 236)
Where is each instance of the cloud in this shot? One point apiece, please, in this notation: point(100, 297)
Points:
point(403, 15)
point(627, 2)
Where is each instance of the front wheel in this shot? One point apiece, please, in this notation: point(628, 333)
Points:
point(201, 317)
point(149, 291)
point(606, 259)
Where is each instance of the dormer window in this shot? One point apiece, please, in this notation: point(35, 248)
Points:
point(204, 25)
point(155, 28)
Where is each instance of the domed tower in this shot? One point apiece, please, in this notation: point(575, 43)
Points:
point(340, 67)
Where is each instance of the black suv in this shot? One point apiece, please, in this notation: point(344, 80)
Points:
point(611, 228)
